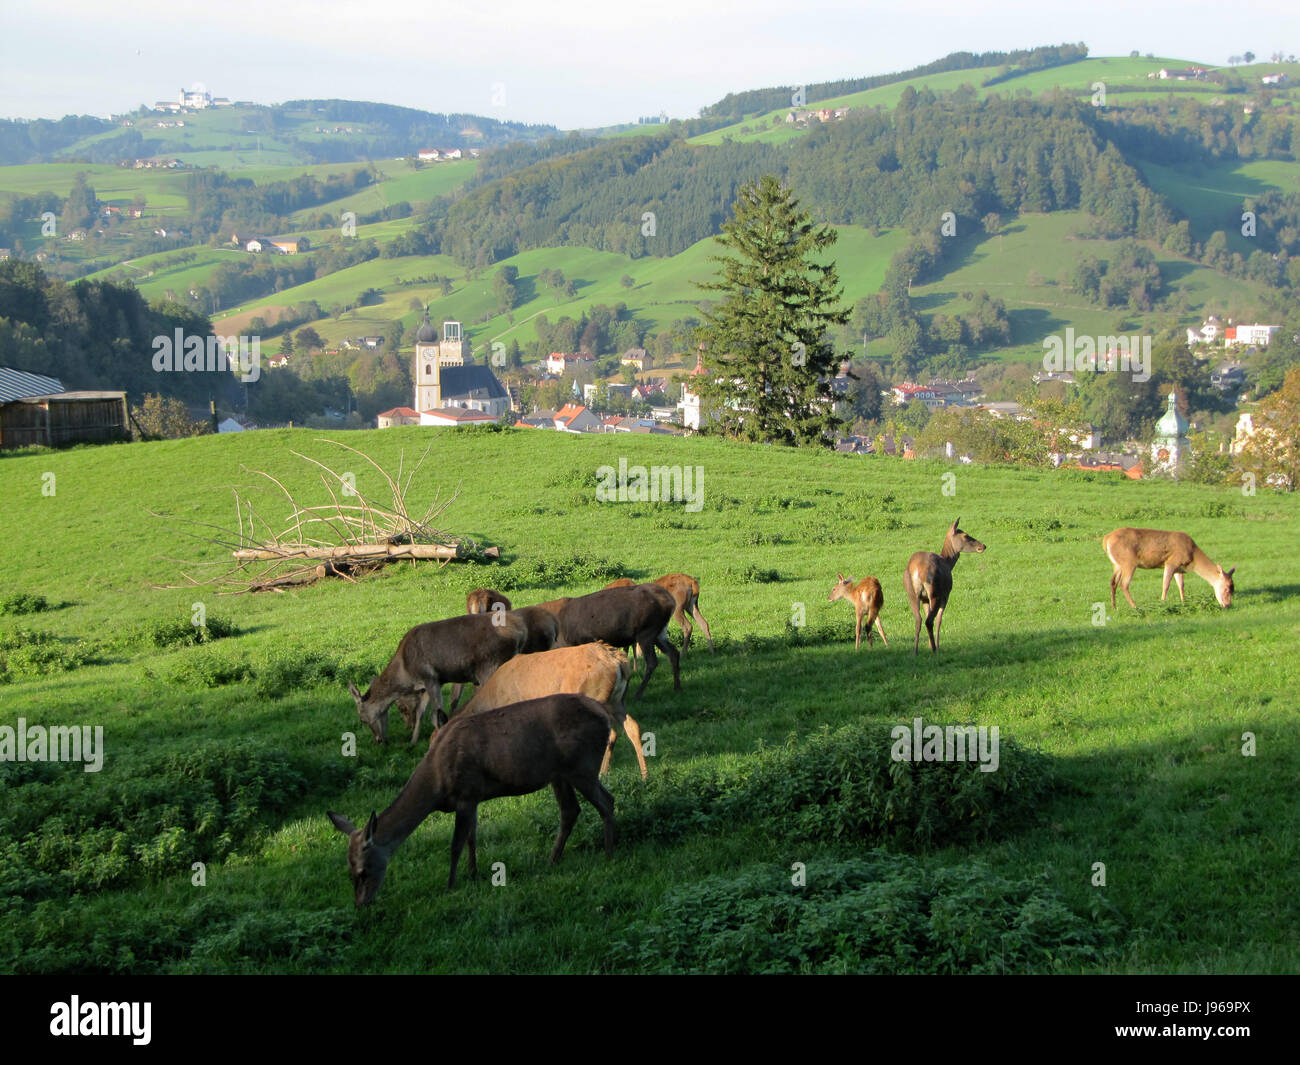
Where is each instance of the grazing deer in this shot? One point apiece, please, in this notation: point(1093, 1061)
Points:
point(928, 579)
point(867, 599)
point(1134, 549)
point(621, 617)
point(481, 601)
point(595, 670)
point(455, 651)
point(514, 750)
point(685, 591)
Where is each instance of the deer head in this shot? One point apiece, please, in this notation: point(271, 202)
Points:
point(367, 861)
point(373, 713)
point(843, 588)
point(1223, 587)
point(957, 541)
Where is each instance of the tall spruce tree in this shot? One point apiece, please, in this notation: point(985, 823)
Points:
point(764, 344)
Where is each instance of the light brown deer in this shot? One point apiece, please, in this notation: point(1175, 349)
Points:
point(595, 670)
point(481, 601)
point(541, 624)
point(514, 750)
point(457, 650)
point(1134, 549)
point(867, 599)
point(685, 591)
point(928, 579)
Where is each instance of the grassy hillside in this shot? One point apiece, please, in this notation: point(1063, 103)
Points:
point(229, 753)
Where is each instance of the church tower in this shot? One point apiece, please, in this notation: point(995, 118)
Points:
point(1170, 450)
point(431, 355)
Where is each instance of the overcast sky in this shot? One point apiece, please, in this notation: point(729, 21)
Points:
point(569, 64)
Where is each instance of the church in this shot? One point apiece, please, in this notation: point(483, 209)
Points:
point(449, 390)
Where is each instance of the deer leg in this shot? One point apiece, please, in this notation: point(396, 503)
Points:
point(1125, 580)
point(466, 816)
point(609, 750)
point(1164, 588)
point(651, 661)
point(473, 845)
point(633, 731)
point(682, 620)
point(673, 657)
point(882, 630)
point(914, 600)
point(431, 689)
point(938, 624)
point(695, 609)
point(1178, 579)
point(857, 633)
point(568, 815)
point(596, 794)
point(1114, 580)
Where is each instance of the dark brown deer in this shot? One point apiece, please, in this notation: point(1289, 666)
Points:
point(621, 617)
point(928, 579)
point(458, 650)
point(685, 591)
point(514, 750)
point(595, 670)
point(1175, 552)
point(867, 599)
point(542, 632)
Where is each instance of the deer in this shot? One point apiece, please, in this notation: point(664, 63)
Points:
point(621, 617)
point(685, 591)
point(541, 626)
point(514, 750)
point(596, 670)
point(456, 650)
point(1134, 549)
point(867, 599)
point(928, 579)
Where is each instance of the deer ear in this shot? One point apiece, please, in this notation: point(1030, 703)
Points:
point(371, 825)
point(353, 689)
point(840, 575)
point(1229, 573)
point(956, 523)
point(340, 822)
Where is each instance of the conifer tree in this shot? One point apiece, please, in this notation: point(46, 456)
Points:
point(765, 344)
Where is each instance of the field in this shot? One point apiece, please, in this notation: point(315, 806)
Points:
point(774, 832)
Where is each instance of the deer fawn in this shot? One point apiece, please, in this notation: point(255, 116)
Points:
point(1134, 549)
point(867, 599)
point(928, 579)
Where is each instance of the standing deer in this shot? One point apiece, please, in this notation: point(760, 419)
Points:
point(928, 579)
point(514, 750)
point(595, 670)
point(542, 632)
point(454, 651)
point(1133, 549)
point(685, 591)
point(621, 617)
point(867, 599)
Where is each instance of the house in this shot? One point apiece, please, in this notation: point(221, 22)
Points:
point(372, 343)
point(451, 153)
point(1003, 409)
point(397, 416)
point(638, 357)
point(229, 425)
point(1087, 440)
point(1207, 334)
point(289, 247)
point(1273, 79)
point(427, 154)
point(34, 409)
point(453, 416)
point(1250, 335)
point(542, 419)
point(4, 254)
point(573, 418)
point(906, 392)
point(1230, 377)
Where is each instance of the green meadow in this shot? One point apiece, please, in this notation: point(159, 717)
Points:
point(1142, 817)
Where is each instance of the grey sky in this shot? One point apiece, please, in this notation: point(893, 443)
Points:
point(579, 63)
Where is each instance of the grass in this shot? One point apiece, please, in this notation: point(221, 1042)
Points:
point(230, 751)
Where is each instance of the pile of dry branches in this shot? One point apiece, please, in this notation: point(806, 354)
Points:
point(348, 537)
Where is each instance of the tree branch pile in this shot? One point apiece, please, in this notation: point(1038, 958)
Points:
point(351, 535)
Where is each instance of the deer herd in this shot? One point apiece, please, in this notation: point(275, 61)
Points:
point(550, 681)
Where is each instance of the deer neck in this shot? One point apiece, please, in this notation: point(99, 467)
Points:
point(1203, 567)
point(417, 800)
point(950, 554)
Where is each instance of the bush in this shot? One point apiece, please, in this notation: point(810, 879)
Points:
point(557, 572)
point(24, 603)
point(843, 785)
point(36, 653)
point(884, 914)
point(181, 633)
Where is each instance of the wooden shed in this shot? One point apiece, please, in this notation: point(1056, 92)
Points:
point(64, 418)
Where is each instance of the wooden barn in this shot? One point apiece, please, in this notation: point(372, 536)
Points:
point(62, 418)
